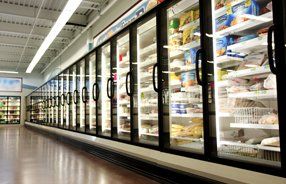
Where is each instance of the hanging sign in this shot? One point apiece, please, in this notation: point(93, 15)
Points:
point(10, 84)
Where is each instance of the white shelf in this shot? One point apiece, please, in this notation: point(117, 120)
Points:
point(192, 115)
point(225, 114)
point(147, 90)
point(221, 84)
point(176, 35)
point(188, 139)
point(124, 62)
point(146, 77)
point(176, 53)
point(243, 26)
point(191, 24)
point(264, 94)
point(190, 45)
point(149, 117)
point(148, 62)
point(149, 105)
point(149, 134)
point(254, 44)
point(254, 126)
point(124, 131)
point(249, 72)
point(268, 148)
point(185, 68)
point(148, 49)
point(124, 115)
point(226, 59)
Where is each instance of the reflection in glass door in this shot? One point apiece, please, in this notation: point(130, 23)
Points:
point(147, 82)
point(82, 95)
point(62, 99)
point(105, 95)
point(123, 98)
point(245, 84)
point(91, 85)
point(185, 93)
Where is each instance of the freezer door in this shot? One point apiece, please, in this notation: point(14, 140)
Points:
point(81, 95)
point(182, 86)
point(105, 83)
point(146, 88)
point(61, 100)
point(91, 86)
point(122, 77)
point(65, 102)
point(245, 82)
point(3, 110)
point(74, 99)
point(14, 111)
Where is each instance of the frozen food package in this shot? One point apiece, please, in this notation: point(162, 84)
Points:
point(270, 82)
point(244, 7)
point(256, 87)
point(187, 35)
point(273, 141)
point(256, 140)
point(190, 56)
point(174, 26)
point(222, 22)
point(237, 89)
point(221, 46)
point(269, 119)
point(186, 18)
point(255, 59)
point(220, 3)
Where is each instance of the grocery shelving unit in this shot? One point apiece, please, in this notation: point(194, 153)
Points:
point(10, 109)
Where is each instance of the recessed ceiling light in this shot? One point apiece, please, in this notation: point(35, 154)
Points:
point(13, 72)
point(66, 14)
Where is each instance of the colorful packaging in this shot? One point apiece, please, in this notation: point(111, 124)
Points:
point(188, 78)
point(187, 35)
point(190, 56)
point(222, 22)
point(245, 7)
point(221, 46)
point(186, 18)
point(174, 26)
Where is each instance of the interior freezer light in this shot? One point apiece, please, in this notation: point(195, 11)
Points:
point(66, 14)
point(254, 17)
point(13, 72)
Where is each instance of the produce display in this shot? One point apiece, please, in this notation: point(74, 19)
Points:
point(245, 87)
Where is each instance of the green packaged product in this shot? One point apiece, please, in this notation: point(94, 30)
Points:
point(174, 26)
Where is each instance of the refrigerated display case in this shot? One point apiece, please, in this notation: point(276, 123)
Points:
point(55, 106)
point(105, 82)
point(184, 93)
point(90, 82)
point(10, 109)
point(245, 87)
point(123, 82)
point(82, 95)
point(147, 82)
point(74, 99)
point(65, 101)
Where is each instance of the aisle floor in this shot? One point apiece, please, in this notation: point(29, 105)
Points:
point(27, 157)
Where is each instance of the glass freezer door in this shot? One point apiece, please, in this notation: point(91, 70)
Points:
point(123, 98)
point(56, 101)
point(147, 82)
point(81, 91)
point(61, 98)
point(245, 87)
point(74, 100)
point(91, 93)
point(65, 105)
point(185, 93)
point(3, 110)
point(50, 103)
point(105, 82)
point(14, 110)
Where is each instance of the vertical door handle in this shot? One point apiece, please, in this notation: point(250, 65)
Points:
point(68, 98)
point(75, 92)
point(126, 83)
point(95, 95)
point(107, 87)
point(63, 99)
point(50, 102)
point(83, 94)
point(54, 101)
point(198, 54)
point(58, 101)
point(270, 50)
point(153, 77)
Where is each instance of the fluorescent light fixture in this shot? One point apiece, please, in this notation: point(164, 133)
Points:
point(3, 71)
point(66, 14)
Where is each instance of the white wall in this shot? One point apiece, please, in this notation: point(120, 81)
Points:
point(80, 48)
point(34, 79)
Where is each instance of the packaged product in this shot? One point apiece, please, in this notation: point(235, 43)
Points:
point(220, 3)
point(188, 78)
point(222, 22)
point(245, 7)
point(255, 59)
point(221, 46)
point(244, 38)
point(273, 141)
point(186, 18)
point(270, 82)
point(187, 35)
point(269, 119)
point(196, 14)
point(174, 26)
point(190, 56)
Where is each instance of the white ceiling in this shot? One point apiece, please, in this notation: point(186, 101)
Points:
point(21, 32)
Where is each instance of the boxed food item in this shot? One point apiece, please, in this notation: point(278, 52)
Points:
point(220, 3)
point(235, 13)
point(188, 79)
point(174, 26)
point(222, 22)
point(221, 46)
point(190, 56)
point(186, 18)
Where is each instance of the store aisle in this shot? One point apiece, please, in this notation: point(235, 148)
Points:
point(27, 157)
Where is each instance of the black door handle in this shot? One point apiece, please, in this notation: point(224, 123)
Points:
point(50, 102)
point(126, 83)
point(63, 99)
point(68, 98)
point(107, 87)
point(54, 101)
point(75, 92)
point(270, 50)
point(95, 96)
point(198, 54)
point(83, 94)
point(153, 77)
point(58, 101)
